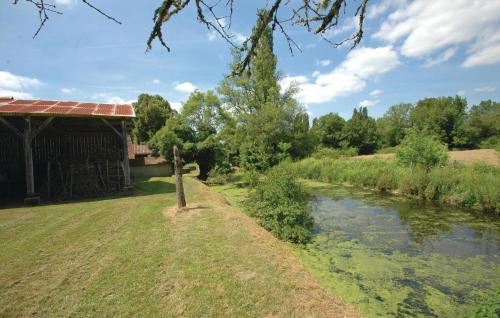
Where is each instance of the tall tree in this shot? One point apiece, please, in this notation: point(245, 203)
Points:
point(444, 117)
point(483, 122)
point(393, 124)
point(204, 114)
point(361, 131)
point(151, 114)
point(328, 130)
point(270, 124)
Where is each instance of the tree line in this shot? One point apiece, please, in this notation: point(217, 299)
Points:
point(250, 122)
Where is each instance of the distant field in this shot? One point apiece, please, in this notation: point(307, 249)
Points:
point(467, 157)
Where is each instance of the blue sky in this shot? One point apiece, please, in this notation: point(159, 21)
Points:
point(411, 50)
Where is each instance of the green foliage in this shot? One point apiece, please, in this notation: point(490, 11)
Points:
point(251, 178)
point(420, 149)
point(209, 154)
point(483, 124)
point(476, 187)
point(220, 174)
point(393, 124)
point(334, 153)
point(266, 125)
point(361, 131)
point(443, 117)
point(492, 142)
point(328, 130)
point(489, 308)
point(279, 204)
point(175, 132)
point(151, 114)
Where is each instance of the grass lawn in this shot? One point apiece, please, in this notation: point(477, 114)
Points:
point(135, 256)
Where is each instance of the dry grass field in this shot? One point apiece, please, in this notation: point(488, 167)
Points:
point(468, 157)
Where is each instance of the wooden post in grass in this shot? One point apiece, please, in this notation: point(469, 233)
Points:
point(179, 188)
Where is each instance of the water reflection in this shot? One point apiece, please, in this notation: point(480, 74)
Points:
point(395, 257)
point(386, 222)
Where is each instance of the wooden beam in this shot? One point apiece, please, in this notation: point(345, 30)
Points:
point(28, 159)
point(11, 127)
point(104, 120)
point(39, 129)
point(126, 164)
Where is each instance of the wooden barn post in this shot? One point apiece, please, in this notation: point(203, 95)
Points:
point(126, 164)
point(179, 187)
point(28, 161)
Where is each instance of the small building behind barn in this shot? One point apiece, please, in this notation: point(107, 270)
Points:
point(58, 150)
point(144, 165)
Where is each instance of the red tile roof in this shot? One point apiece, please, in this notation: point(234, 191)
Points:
point(12, 107)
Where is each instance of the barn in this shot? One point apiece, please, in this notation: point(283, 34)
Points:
point(60, 150)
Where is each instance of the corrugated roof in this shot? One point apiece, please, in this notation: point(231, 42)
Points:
point(56, 108)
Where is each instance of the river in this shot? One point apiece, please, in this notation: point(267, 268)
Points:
point(395, 257)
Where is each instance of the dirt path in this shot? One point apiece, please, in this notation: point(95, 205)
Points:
point(468, 157)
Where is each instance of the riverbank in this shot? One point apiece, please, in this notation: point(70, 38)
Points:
point(472, 187)
point(391, 256)
point(135, 256)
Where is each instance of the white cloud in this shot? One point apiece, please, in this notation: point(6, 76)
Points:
point(323, 63)
point(443, 57)
point(112, 99)
point(15, 94)
point(237, 37)
point(462, 92)
point(316, 73)
point(66, 3)
point(69, 91)
point(485, 51)
point(176, 105)
point(156, 81)
point(348, 26)
point(186, 87)
point(376, 92)
point(485, 89)
point(12, 85)
point(428, 26)
point(212, 35)
point(368, 103)
point(377, 9)
point(361, 65)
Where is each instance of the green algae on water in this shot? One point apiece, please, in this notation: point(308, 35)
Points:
point(401, 258)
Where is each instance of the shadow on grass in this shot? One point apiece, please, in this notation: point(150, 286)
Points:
point(148, 187)
point(141, 187)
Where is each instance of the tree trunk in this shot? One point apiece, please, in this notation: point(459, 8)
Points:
point(181, 199)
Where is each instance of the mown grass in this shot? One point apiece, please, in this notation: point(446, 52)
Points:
point(475, 187)
point(125, 256)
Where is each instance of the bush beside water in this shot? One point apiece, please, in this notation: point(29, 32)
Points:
point(280, 206)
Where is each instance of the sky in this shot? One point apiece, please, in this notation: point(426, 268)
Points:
point(410, 50)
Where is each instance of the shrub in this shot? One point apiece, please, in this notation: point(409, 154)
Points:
point(279, 204)
point(419, 149)
point(220, 174)
point(250, 178)
point(334, 153)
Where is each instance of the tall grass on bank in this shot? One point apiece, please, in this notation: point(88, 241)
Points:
point(476, 187)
